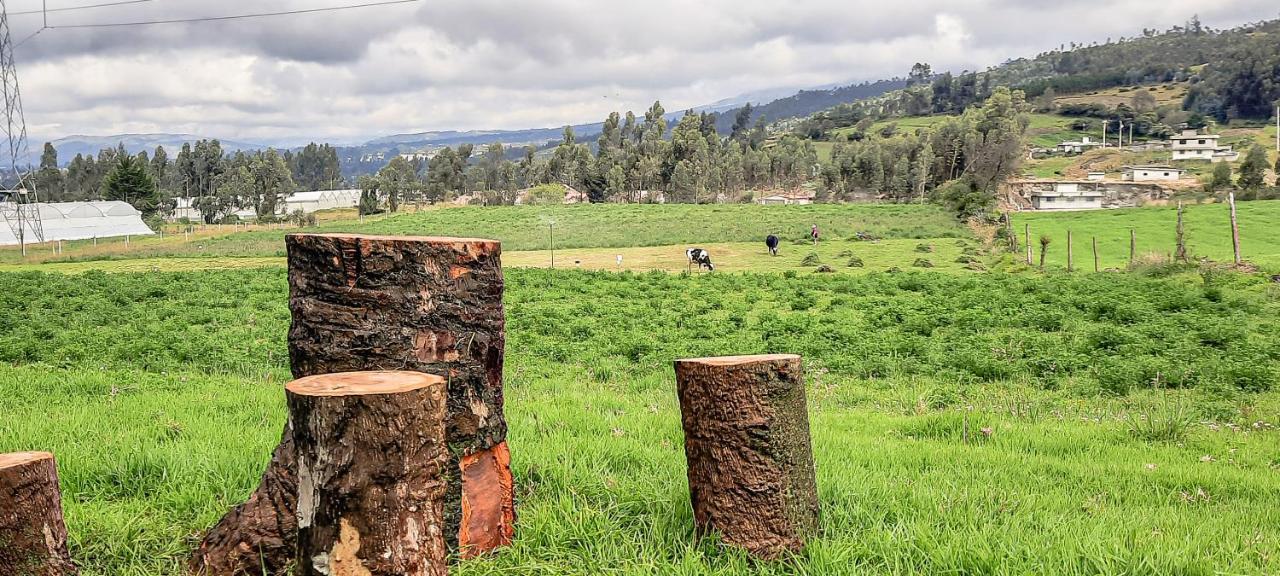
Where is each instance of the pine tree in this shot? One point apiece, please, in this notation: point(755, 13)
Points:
point(129, 181)
point(1253, 171)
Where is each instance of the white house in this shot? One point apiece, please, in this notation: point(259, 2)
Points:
point(1077, 147)
point(1067, 196)
point(1097, 176)
point(1151, 173)
point(1192, 145)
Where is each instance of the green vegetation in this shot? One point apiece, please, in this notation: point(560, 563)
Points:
point(1208, 233)
point(160, 393)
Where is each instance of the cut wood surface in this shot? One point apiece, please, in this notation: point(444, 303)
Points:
point(750, 463)
point(33, 536)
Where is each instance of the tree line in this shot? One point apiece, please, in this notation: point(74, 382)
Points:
point(214, 181)
point(635, 159)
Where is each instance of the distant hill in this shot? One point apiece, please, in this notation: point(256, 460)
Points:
point(90, 145)
point(807, 102)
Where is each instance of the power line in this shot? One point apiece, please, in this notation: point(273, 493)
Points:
point(74, 8)
point(235, 17)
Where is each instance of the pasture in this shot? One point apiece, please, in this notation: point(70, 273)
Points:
point(1208, 233)
point(963, 422)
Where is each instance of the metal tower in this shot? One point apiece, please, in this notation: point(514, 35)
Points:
point(17, 202)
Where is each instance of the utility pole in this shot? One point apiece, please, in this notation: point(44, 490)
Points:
point(1105, 123)
point(19, 205)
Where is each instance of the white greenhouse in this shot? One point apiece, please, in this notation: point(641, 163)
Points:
point(309, 202)
point(78, 221)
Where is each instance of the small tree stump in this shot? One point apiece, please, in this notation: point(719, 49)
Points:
point(431, 305)
point(371, 457)
point(33, 537)
point(746, 428)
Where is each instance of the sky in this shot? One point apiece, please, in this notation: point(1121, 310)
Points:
point(349, 76)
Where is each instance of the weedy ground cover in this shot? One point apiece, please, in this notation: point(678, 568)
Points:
point(989, 423)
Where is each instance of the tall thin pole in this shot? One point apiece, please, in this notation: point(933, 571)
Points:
point(1095, 254)
point(1071, 266)
point(1133, 246)
point(1028, 241)
point(1181, 248)
point(1235, 228)
point(553, 245)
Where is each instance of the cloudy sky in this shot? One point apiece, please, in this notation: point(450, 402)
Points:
point(499, 64)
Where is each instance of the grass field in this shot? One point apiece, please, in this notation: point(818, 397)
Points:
point(522, 228)
point(1208, 233)
point(135, 381)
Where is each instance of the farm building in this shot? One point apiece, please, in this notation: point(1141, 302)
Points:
point(80, 221)
point(1078, 147)
point(1097, 176)
point(309, 202)
point(1068, 196)
point(1151, 173)
point(787, 199)
point(1191, 145)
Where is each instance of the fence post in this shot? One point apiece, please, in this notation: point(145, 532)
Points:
point(1180, 249)
point(1070, 255)
point(1095, 254)
point(1030, 256)
point(1133, 246)
point(1235, 228)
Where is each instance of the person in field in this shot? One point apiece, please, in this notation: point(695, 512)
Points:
point(813, 234)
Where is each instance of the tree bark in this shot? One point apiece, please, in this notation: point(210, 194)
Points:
point(372, 464)
point(431, 305)
point(751, 472)
point(33, 536)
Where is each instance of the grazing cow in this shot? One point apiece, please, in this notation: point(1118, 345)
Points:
point(700, 257)
point(772, 242)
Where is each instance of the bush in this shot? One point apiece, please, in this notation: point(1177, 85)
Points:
point(924, 248)
point(855, 262)
point(824, 269)
point(811, 259)
point(922, 263)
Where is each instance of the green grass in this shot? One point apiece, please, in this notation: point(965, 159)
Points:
point(581, 226)
point(161, 395)
point(1208, 233)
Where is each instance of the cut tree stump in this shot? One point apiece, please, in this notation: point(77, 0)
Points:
point(751, 473)
point(359, 303)
point(371, 457)
point(33, 537)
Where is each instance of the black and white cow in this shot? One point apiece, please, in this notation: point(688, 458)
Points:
point(772, 242)
point(700, 257)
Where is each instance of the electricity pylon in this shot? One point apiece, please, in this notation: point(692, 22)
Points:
point(18, 202)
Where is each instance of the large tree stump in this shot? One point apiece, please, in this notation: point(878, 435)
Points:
point(33, 537)
point(371, 456)
point(431, 305)
point(746, 429)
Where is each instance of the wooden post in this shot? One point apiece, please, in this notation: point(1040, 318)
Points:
point(1180, 250)
point(1235, 229)
point(1133, 246)
point(1070, 255)
point(372, 466)
point(33, 536)
point(1095, 255)
point(1030, 256)
point(360, 303)
point(750, 464)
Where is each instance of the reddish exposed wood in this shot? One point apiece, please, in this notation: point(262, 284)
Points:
point(488, 505)
point(372, 460)
point(424, 304)
point(751, 473)
point(33, 536)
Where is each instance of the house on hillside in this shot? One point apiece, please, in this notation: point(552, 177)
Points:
point(787, 199)
point(1096, 176)
point(1078, 147)
point(1192, 145)
point(1151, 173)
point(1068, 196)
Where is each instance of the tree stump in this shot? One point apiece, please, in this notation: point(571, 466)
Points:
point(33, 537)
point(371, 457)
point(751, 473)
point(359, 303)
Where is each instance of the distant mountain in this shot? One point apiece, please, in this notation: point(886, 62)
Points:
point(90, 145)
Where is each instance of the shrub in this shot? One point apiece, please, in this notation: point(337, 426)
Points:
point(924, 248)
point(811, 259)
point(824, 269)
point(855, 262)
point(845, 254)
point(922, 263)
